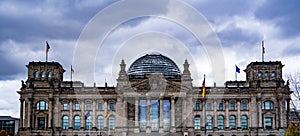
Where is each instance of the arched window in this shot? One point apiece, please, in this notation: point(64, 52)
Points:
point(221, 122)
point(209, 122)
point(76, 122)
point(43, 74)
point(88, 123)
point(232, 122)
point(244, 122)
point(273, 74)
point(259, 74)
point(266, 73)
point(49, 74)
point(197, 122)
point(100, 122)
point(268, 105)
point(36, 74)
point(65, 122)
point(111, 122)
point(42, 105)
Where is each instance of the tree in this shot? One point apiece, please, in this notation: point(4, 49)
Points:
point(294, 84)
point(292, 131)
point(3, 133)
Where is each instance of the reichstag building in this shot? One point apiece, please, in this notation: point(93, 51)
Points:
point(154, 97)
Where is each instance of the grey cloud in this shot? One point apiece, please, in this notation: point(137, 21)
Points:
point(284, 13)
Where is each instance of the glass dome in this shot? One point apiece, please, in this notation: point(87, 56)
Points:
point(153, 63)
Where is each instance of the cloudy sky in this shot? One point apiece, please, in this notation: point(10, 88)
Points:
point(239, 25)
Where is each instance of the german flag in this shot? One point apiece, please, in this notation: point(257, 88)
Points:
point(203, 88)
point(107, 115)
point(72, 70)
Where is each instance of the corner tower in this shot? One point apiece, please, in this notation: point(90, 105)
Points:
point(44, 75)
point(264, 74)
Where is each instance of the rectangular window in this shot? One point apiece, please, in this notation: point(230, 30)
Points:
point(7, 125)
point(112, 106)
point(221, 106)
point(208, 106)
point(166, 115)
point(268, 122)
point(100, 106)
point(244, 106)
point(88, 106)
point(154, 115)
point(197, 106)
point(232, 106)
point(65, 106)
point(76, 106)
point(143, 115)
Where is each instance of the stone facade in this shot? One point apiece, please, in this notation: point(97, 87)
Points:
point(154, 104)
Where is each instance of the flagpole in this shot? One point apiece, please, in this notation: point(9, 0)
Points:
point(263, 51)
point(204, 115)
point(71, 72)
point(46, 56)
point(235, 76)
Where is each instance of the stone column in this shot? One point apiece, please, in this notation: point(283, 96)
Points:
point(26, 114)
point(71, 115)
point(278, 117)
point(203, 114)
point(82, 120)
point(161, 116)
point(148, 129)
point(173, 114)
point(215, 117)
point(226, 114)
point(21, 113)
point(125, 119)
point(29, 114)
point(184, 116)
point(94, 121)
point(281, 112)
point(50, 113)
point(105, 113)
point(136, 116)
point(260, 120)
point(238, 114)
point(56, 112)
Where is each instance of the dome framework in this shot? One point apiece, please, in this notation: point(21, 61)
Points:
point(153, 63)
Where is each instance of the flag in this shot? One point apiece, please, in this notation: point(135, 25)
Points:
point(263, 47)
point(47, 47)
point(87, 115)
point(107, 115)
point(72, 70)
point(237, 69)
point(203, 88)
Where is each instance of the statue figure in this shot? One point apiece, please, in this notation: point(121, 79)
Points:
point(23, 84)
